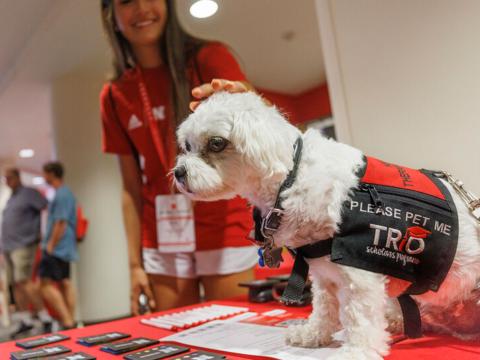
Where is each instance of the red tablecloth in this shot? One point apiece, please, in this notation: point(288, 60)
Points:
point(429, 347)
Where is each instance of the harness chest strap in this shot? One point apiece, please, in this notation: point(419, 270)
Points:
point(296, 283)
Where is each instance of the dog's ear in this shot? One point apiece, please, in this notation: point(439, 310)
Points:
point(261, 139)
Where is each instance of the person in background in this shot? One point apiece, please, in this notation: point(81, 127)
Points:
point(20, 238)
point(156, 65)
point(59, 247)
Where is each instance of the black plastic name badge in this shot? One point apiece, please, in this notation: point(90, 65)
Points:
point(129, 345)
point(102, 338)
point(41, 341)
point(74, 356)
point(259, 291)
point(39, 353)
point(201, 355)
point(157, 353)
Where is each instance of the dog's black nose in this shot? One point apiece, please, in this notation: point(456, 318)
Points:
point(180, 173)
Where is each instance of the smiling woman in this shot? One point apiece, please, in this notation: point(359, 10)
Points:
point(157, 63)
point(142, 25)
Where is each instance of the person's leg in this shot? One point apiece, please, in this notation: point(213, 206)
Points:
point(52, 272)
point(221, 270)
point(21, 301)
point(225, 286)
point(20, 275)
point(22, 313)
point(68, 292)
point(171, 292)
point(32, 293)
point(172, 277)
point(54, 298)
point(30, 289)
point(18, 313)
point(9, 271)
point(21, 269)
point(26, 291)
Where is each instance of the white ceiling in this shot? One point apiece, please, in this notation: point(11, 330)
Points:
point(277, 43)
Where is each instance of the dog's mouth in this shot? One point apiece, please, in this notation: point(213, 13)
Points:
point(199, 191)
point(183, 188)
point(201, 195)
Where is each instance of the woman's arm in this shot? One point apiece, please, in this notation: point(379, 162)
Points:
point(131, 206)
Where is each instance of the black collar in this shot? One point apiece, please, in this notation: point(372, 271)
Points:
point(266, 226)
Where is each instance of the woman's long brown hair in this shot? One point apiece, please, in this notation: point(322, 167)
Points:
point(177, 48)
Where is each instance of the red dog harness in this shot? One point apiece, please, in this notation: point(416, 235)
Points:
point(399, 222)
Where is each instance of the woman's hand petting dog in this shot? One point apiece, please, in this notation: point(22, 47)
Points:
point(204, 91)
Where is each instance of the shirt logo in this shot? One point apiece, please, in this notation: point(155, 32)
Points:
point(159, 112)
point(413, 242)
point(134, 122)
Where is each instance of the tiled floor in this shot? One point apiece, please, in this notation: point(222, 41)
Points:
point(37, 330)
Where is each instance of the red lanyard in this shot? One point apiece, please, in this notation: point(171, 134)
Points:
point(165, 149)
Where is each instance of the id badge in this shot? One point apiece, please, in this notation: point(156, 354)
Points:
point(175, 223)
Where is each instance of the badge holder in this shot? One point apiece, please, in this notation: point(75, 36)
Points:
point(175, 223)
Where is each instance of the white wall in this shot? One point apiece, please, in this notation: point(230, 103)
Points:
point(405, 80)
point(102, 271)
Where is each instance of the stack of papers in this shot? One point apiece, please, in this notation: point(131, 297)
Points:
point(187, 319)
point(247, 339)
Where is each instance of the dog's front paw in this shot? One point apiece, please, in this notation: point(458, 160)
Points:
point(355, 353)
point(308, 335)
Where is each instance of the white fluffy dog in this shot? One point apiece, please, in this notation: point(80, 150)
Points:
point(235, 144)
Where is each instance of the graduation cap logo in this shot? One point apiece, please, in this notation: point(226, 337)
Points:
point(413, 240)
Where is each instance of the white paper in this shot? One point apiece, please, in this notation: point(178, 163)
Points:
point(247, 339)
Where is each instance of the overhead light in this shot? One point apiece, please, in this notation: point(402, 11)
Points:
point(38, 180)
point(203, 8)
point(26, 153)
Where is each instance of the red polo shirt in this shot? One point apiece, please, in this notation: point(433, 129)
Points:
point(217, 224)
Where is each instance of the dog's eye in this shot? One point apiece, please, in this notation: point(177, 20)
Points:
point(188, 147)
point(217, 143)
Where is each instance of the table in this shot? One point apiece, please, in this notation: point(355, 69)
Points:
point(430, 347)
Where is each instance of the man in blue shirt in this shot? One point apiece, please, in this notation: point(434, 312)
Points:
point(59, 247)
point(19, 241)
